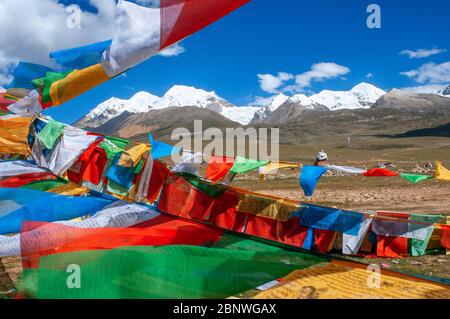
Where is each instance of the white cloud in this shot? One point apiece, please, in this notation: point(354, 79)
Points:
point(271, 83)
point(430, 73)
point(319, 72)
point(421, 53)
point(426, 89)
point(369, 75)
point(173, 50)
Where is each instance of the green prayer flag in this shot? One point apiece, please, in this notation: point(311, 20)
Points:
point(179, 272)
point(117, 189)
point(113, 146)
point(214, 191)
point(139, 167)
point(418, 247)
point(44, 84)
point(51, 133)
point(45, 185)
point(415, 178)
point(242, 165)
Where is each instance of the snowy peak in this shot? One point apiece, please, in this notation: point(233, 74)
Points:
point(140, 103)
point(362, 96)
point(277, 101)
point(180, 95)
point(302, 100)
point(143, 102)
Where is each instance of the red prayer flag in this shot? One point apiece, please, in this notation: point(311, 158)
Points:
point(291, 232)
point(261, 227)
point(181, 18)
point(24, 179)
point(445, 237)
point(218, 167)
point(41, 239)
point(380, 172)
point(160, 173)
point(90, 165)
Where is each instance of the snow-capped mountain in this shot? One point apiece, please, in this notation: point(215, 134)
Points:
point(362, 96)
point(242, 115)
point(271, 106)
point(144, 102)
point(180, 95)
point(140, 103)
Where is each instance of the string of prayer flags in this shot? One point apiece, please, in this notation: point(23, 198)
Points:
point(309, 178)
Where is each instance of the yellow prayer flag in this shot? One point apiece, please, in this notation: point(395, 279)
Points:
point(70, 189)
point(131, 157)
point(442, 173)
point(76, 83)
point(14, 135)
point(267, 207)
point(273, 167)
point(347, 280)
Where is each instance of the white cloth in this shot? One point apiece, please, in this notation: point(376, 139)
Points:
point(116, 215)
point(352, 243)
point(37, 153)
point(347, 169)
point(14, 168)
point(28, 106)
point(190, 163)
point(137, 37)
point(392, 228)
point(144, 183)
point(72, 144)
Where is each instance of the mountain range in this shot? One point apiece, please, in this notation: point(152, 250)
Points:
point(364, 104)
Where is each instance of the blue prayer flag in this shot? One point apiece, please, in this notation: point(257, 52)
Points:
point(18, 205)
point(161, 149)
point(309, 178)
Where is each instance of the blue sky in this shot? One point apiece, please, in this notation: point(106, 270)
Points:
point(267, 37)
